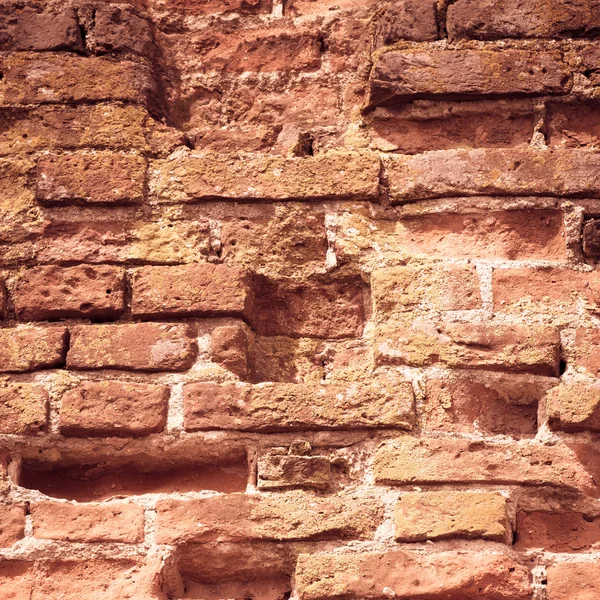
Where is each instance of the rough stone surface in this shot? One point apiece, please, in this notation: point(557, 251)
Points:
point(27, 348)
point(293, 471)
point(23, 408)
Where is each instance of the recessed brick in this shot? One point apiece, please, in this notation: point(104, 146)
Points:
point(258, 177)
point(413, 461)
point(585, 349)
point(414, 20)
point(113, 408)
point(517, 172)
point(591, 238)
point(200, 290)
point(87, 292)
point(120, 29)
point(407, 575)
point(285, 516)
point(30, 348)
point(108, 522)
point(136, 346)
point(403, 74)
point(440, 515)
point(23, 408)
point(91, 178)
point(513, 348)
point(573, 581)
point(281, 407)
point(229, 348)
point(283, 471)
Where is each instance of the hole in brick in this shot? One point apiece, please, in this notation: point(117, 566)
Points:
point(88, 483)
point(562, 367)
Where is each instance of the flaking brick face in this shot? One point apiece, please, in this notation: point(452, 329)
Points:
point(299, 299)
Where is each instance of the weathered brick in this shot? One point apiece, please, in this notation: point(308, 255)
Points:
point(420, 516)
point(290, 515)
point(425, 125)
point(516, 348)
point(492, 20)
point(313, 308)
point(414, 20)
point(137, 346)
point(544, 290)
point(557, 531)
point(591, 238)
point(108, 522)
point(574, 406)
point(113, 408)
point(2, 299)
point(201, 177)
point(518, 172)
point(26, 29)
point(28, 348)
point(411, 575)
point(309, 7)
point(200, 7)
point(573, 125)
point(413, 461)
point(407, 73)
point(286, 471)
point(424, 287)
point(91, 178)
point(34, 79)
point(229, 348)
point(509, 235)
point(23, 408)
point(47, 293)
point(385, 402)
point(585, 349)
point(120, 29)
point(16, 579)
point(165, 242)
point(490, 403)
point(573, 581)
point(13, 526)
point(200, 290)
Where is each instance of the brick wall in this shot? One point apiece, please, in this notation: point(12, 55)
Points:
point(299, 301)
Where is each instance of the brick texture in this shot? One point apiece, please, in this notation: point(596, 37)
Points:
point(299, 299)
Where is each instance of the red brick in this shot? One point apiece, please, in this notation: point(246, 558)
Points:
point(201, 177)
point(91, 178)
point(591, 238)
point(87, 292)
point(557, 531)
point(514, 348)
point(573, 125)
point(407, 73)
point(13, 527)
point(414, 20)
point(585, 349)
point(509, 235)
point(30, 348)
point(411, 575)
point(283, 471)
point(421, 516)
point(26, 29)
point(32, 79)
point(492, 20)
point(113, 408)
point(427, 286)
point(487, 402)
point(107, 522)
point(422, 461)
point(23, 408)
point(16, 580)
point(123, 241)
point(424, 125)
point(517, 172)
point(136, 346)
point(574, 406)
point(322, 309)
point(545, 289)
point(386, 402)
point(229, 348)
point(290, 515)
point(573, 581)
point(325, 7)
point(201, 7)
point(199, 290)
point(120, 29)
